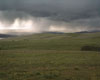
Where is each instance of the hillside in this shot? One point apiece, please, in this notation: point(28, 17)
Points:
point(50, 56)
point(50, 41)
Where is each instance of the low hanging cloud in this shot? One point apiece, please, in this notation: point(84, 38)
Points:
point(36, 16)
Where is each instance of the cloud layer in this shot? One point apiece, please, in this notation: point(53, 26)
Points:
point(49, 15)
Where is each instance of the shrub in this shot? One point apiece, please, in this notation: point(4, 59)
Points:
point(90, 48)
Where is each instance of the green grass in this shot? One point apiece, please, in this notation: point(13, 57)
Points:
point(50, 57)
point(68, 42)
point(49, 65)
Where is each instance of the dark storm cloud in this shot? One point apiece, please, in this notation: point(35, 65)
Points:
point(73, 13)
point(60, 9)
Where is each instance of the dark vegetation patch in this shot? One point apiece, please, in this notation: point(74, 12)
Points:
point(90, 48)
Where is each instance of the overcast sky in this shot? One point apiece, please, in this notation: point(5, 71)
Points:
point(49, 15)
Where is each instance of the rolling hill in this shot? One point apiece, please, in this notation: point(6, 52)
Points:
point(50, 41)
point(49, 56)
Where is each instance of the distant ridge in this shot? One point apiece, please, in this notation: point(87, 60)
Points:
point(6, 35)
point(15, 35)
point(55, 32)
point(93, 31)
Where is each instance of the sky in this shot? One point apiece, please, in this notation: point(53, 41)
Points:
point(36, 16)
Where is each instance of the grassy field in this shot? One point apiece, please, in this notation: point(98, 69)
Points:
point(50, 57)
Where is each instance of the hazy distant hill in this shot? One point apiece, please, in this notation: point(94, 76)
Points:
point(54, 32)
point(6, 35)
point(94, 31)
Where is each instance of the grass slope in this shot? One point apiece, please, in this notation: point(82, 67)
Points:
point(51, 41)
point(50, 57)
